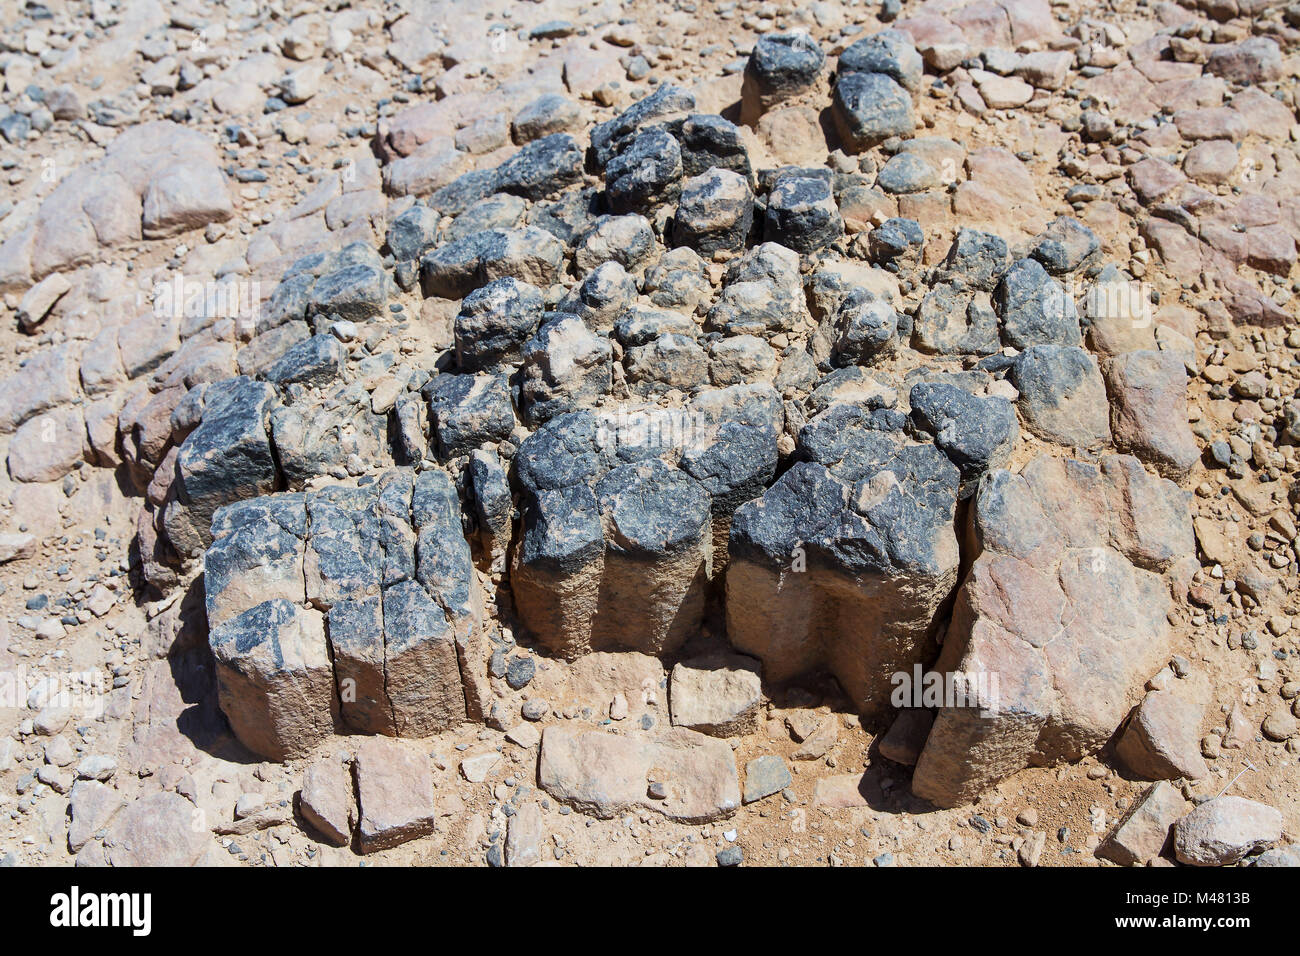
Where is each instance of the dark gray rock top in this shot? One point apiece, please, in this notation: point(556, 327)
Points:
point(652, 508)
point(795, 510)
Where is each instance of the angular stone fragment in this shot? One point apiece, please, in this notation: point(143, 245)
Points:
point(413, 232)
point(468, 411)
point(184, 197)
point(905, 739)
point(457, 268)
point(326, 800)
point(493, 504)
point(782, 66)
point(1034, 308)
point(716, 212)
point(765, 776)
point(47, 379)
point(549, 113)
point(1065, 246)
point(494, 322)
point(356, 291)
point(524, 834)
point(605, 293)
point(869, 108)
point(47, 447)
point(1141, 835)
point(719, 696)
point(1062, 395)
point(565, 366)
point(40, 299)
point(646, 174)
point(542, 168)
point(975, 260)
point(802, 214)
point(708, 142)
point(666, 362)
point(667, 105)
point(256, 555)
point(356, 637)
point(275, 682)
point(422, 667)
point(1148, 391)
point(1161, 740)
point(91, 806)
point(977, 434)
point(395, 791)
point(229, 455)
point(628, 240)
point(1251, 62)
point(955, 322)
point(603, 775)
point(763, 294)
point(889, 52)
point(312, 362)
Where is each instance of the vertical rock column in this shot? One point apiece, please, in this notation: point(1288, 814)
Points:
point(437, 666)
point(847, 561)
point(274, 678)
point(608, 559)
point(558, 569)
point(658, 557)
point(343, 565)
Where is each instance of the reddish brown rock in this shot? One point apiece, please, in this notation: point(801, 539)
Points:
point(1148, 417)
point(326, 800)
point(1142, 833)
point(1060, 615)
point(1161, 741)
point(395, 790)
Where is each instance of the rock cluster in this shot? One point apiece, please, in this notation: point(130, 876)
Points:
point(618, 403)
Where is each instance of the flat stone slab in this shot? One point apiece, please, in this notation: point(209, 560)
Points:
point(603, 774)
point(395, 790)
point(765, 776)
point(719, 696)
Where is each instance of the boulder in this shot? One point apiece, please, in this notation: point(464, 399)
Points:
point(275, 683)
point(1224, 830)
point(1066, 605)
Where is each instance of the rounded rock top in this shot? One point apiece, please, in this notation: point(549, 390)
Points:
point(653, 507)
point(787, 61)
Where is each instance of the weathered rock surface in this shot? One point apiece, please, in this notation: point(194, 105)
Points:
point(1142, 833)
point(1065, 604)
point(1224, 830)
point(603, 774)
